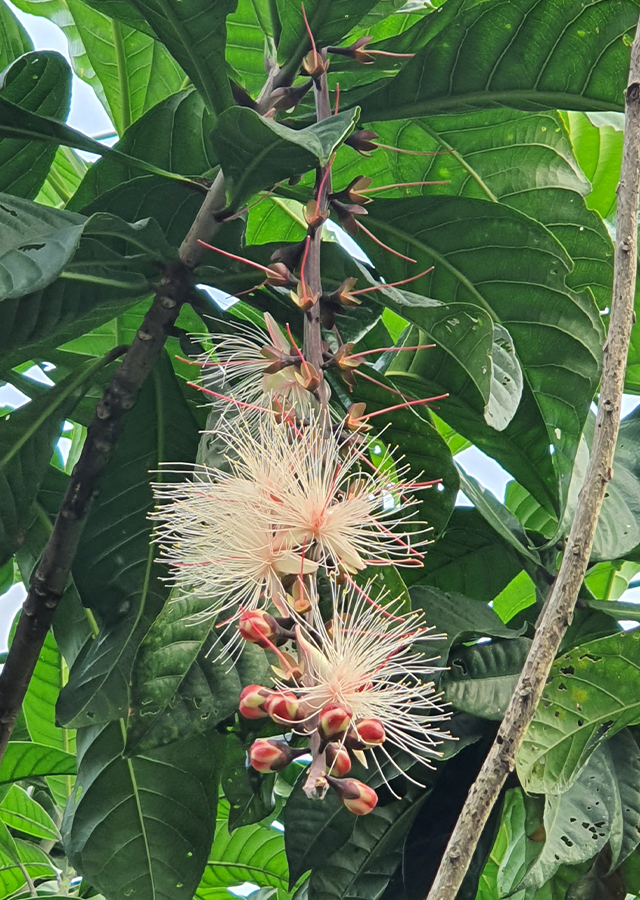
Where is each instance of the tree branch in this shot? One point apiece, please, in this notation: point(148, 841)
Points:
point(559, 609)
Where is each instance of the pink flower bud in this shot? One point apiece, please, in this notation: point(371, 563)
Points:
point(283, 707)
point(333, 721)
point(256, 625)
point(338, 760)
point(252, 700)
point(358, 798)
point(370, 731)
point(271, 755)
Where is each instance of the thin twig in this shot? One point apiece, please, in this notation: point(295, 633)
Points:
point(559, 610)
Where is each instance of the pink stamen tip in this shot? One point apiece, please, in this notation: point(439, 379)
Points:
point(391, 349)
point(309, 32)
point(383, 245)
point(425, 484)
point(413, 152)
point(401, 184)
point(243, 259)
point(381, 287)
point(304, 260)
point(303, 361)
point(380, 384)
point(370, 600)
point(325, 176)
point(388, 53)
point(218, 396)
point(389, 409)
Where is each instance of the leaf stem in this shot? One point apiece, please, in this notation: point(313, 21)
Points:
point(558, 610)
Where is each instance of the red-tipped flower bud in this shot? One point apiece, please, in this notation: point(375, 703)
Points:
point(333, 721)
point(338, 760)
point(283, 707)
point(256, 625)
point(370, 731)
point(252, 700)
point(358, 798)
point(269, 755)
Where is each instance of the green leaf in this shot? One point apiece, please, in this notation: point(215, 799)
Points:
point(133, 71)
point(519, 53)
point(592, 693)
point(194, 33)
point(579, 822)
point(497, 515)
point(599, 152)
point(480, 679)
point(38, 82)
point(126, 597)
point(253, 853)
point(26, 760)
point(519, 594)
point(20, 812)
point(364, 865)
point(521, 818)
point(560, 364)
point(14, 40)
point(313, 831)
point(250, 39)
point(250, 794)
point(458, 618)
point(142, 824)
point(16, 858)
point(65, 174)
point(157, 138)
point(29, 436)
point(458, 560)
point(37, 242)
point(256, 153)
point(528, 511)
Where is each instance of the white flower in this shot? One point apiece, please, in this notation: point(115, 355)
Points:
point(364, 661)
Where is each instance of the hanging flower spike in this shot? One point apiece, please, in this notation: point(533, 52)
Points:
point(358, 52)
point(364, 661)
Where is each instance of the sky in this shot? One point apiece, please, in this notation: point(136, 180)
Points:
point(88, 116)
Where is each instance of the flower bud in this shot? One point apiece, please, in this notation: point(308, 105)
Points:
point(252, 700)
point(256, 625)
point(358, 798)
point(283, 707)
point(370, 731)
point(333, 721)
point(338, 760)
point(269, 755)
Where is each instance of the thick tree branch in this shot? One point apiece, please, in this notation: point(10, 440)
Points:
point(559, 610)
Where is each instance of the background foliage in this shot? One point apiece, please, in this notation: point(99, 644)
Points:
point(126, 776)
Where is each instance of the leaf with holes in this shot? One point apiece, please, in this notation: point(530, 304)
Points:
point(592, 692)
point(519, 51)
point(480, 679)
point(151, 817)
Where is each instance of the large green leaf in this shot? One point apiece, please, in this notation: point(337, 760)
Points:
point(18, 859)
point(592, 693)
point(14, 40)
point(253, 853)
point(364, 865)
point(39, 82)
point(519, 51)
point(480, 249)
point(330, 21)
point(26, 760)
point(128, 596)
point(141, 825)
point(21, 812)
point(158, 137)
point(65, 174)
point(250, 40)
point(458, 560)
point(480, 679)
point(598, 149)
point(458, 619)
point(39, 705)
point(27, 440)
point(134, 71)
point(194, 32)
point(256, 153)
